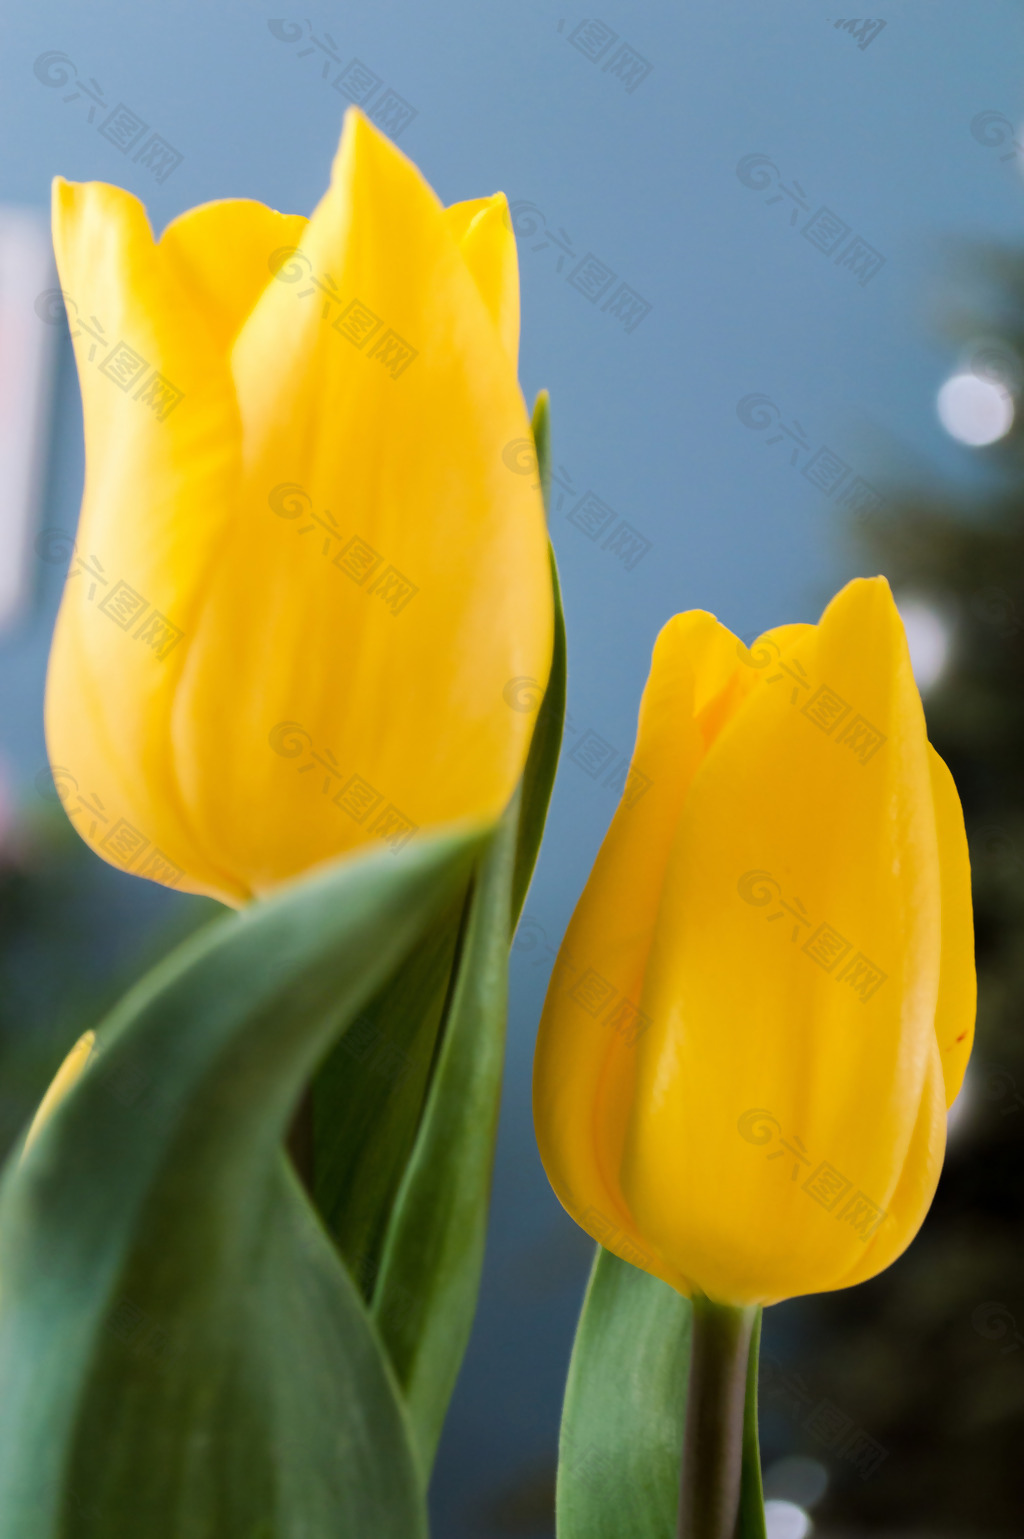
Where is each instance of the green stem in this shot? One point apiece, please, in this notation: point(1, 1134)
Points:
point(713, 1441)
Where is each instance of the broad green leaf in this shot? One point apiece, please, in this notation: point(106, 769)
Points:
point(620, 1453)
point(181, 1350)
point(433, 1255)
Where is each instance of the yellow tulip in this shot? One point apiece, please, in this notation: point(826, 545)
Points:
point(765, 999)
point(304, 570)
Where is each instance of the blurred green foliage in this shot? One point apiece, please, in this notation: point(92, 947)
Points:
point(928, 1358)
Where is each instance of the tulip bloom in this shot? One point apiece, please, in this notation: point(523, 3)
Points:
point(305, 571)
point(765, 999)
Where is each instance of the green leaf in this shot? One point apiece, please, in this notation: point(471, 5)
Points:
point(433, 1255)
point(541, 429)
point(181, 1350)
point(539, 775)
point(369, 1093)
point(620, 1454)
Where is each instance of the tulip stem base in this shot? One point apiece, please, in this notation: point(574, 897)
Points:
point(713, 1440)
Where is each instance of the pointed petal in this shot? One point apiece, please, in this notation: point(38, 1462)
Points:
point(586, 1049)
point(162, 442)
point(225, 254)
point(483, 229)
point(907, 1207)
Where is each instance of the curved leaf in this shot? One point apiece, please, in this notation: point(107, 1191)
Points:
point(433, 1255)
point(181, 1351)
point(620, 1453)
point(542, 763)
point(368, 1096)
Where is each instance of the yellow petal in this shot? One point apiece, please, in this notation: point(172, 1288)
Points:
point(912, 1197)
point(586, 1052)
point(157, 465)
point(66, 1076)
point(816, 1007)
point(225, 254)
point(954, 1015)
point(483, 229)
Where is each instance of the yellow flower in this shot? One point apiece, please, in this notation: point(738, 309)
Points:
point(304, 571)
point(765, 999)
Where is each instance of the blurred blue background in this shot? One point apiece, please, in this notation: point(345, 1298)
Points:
point(811, 276)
